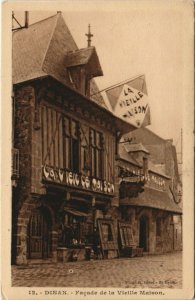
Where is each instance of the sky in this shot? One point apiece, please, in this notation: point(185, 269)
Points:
point(132, 41)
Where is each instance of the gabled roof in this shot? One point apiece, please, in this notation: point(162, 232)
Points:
point(82, 57)
point(135, 148)
point(40, 50)
point(78, 57)
point(33, 46)
point(154, 199)
point(29, 49)
point(127, 157)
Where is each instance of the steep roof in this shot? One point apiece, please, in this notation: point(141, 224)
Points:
point(157, 168)
point(145, 135)
point(174, 152)
point(40, 50)
point(154, 199)
point(29, 48)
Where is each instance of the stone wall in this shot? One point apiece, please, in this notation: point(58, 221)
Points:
point(24, 103)
point(25, 196)
point(22, 225)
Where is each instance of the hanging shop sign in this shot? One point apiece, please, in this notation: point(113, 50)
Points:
point(131, 175)
point(129, 171)
point(150, 179)
point(73, 179)
point(134, 179)
point(131, 104)
point(155, 181)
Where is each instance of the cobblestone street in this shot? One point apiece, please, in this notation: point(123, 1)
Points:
point(154, 271)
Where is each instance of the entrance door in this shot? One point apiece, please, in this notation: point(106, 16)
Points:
point(38, 235)
point(143, 233)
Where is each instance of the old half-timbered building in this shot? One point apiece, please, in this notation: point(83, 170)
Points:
point(64, 146)
point(148, 202)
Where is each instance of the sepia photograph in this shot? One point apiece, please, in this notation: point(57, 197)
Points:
point(100, 150)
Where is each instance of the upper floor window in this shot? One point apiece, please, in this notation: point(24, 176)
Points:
point(71, 144)
point(96, 145)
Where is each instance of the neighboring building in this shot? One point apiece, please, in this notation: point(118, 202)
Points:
point(64, 146)
point(162, 153)
point(154, 214)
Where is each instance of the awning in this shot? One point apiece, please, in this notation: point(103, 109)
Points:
point(154, 199)
point(75, 212)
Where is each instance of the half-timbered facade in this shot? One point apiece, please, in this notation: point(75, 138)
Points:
point(66, 144)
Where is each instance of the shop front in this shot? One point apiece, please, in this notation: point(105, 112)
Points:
point(81, 228)
point(151, 217)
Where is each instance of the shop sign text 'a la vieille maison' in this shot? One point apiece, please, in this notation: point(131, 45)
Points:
point(73, 179)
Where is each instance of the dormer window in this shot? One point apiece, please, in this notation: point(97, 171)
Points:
point(82, 65)
point(70, 77)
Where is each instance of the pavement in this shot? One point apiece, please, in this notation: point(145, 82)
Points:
point(152, 271)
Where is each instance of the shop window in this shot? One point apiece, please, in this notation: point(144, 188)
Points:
point(158, 227)
point(71, 144)
point(96, 146)
point(73, 231)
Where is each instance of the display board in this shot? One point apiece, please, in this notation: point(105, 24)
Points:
point(126, 235)
point(108, 237)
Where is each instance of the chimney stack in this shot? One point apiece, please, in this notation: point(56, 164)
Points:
point(26, 19)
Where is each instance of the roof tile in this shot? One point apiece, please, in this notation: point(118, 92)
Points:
point(154, 199)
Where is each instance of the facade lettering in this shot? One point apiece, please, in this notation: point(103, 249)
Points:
point(74, 179)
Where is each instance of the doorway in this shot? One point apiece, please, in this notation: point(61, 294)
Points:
point(39, 239)
point(143, 233)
